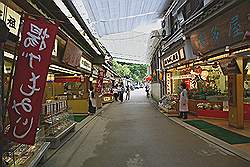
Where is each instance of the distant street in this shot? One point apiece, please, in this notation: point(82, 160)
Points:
point(135, 134)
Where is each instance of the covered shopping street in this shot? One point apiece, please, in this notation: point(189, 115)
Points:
point(135, 134)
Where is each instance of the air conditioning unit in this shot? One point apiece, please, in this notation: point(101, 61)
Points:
point(165, 28)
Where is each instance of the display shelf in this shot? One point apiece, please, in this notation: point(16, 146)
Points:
point(56, 121)
point(40, 156)
point(26, 155)
point(54, 114)
point(56, 140)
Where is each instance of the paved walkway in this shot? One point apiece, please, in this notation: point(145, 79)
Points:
point(135, 134)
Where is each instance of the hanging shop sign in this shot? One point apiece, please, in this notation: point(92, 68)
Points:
point(1, 11)
point(232, 96)
point(174, 58)
point(229, 67)
point(54, 51)
point(225, 30)
point(72, 54)
point(85, 64)
point(99, 84)
point(11, 18)
point(95, 70)
point(168, 83)
point(32, 66)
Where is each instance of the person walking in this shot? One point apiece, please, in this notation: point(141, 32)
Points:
point(121, 92)
point(115, 92)
point(147, 90)
point(92, 101)
point(183, 102)
point(127, 92)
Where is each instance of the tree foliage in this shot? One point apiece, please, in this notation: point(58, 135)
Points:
point(135, 71)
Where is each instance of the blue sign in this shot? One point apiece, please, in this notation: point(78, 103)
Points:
point(235, 28)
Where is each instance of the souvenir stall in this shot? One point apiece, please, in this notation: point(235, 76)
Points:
point(107, 95)
point(223, 43)
point(25, 145)
point(208, 90)
point(108, 83)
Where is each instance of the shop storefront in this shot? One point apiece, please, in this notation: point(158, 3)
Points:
point(175, 63)
point(17, 154)
point(108, 84)
point(66, 92)
point(77, 91)
point(223, 48)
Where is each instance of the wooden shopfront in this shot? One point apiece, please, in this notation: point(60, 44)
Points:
point(224, 36)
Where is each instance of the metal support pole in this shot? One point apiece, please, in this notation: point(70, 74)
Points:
point(4, 32)
point(1, 102)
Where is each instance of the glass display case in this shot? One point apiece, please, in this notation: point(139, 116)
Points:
point(57, 121)
point(20, 155)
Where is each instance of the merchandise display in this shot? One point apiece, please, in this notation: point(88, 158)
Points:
point(56, 117)
point(169, 102)
point(23, 154)
point(209, 106)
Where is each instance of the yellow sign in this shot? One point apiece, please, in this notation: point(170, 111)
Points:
point(106, 99)
point(1, 10)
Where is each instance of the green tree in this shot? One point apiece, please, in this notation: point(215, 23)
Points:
point(135, 71)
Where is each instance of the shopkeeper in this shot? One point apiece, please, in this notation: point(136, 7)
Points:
point(183, 103)
point(92, 101)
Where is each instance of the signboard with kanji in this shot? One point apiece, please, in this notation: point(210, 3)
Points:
point(226, 29)
point(34, 58)
point(99, 84)
point(11, 18)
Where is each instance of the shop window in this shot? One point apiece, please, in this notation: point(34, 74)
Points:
point(207, 81)
point(247, 80)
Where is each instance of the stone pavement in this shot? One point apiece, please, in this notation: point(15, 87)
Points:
point(135, 134)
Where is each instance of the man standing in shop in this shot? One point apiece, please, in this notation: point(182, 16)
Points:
point(92, 101)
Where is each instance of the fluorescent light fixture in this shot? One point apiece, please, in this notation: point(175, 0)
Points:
point(8, 55)
point(73, 21)
point(62, 69)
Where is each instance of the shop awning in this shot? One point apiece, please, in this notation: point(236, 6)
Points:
point(68, 79)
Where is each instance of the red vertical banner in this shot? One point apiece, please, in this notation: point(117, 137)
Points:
point(99, 83)
point(34, 58)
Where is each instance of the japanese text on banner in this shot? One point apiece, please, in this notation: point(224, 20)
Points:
point(32, 65)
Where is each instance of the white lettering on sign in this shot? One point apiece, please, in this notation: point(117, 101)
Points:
point(36, 37)
point(31, 57)
point(32, 88)
point(174, 58)
point(85, 64)
point(26, 106)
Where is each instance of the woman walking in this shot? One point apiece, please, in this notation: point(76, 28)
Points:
point(183, 102)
